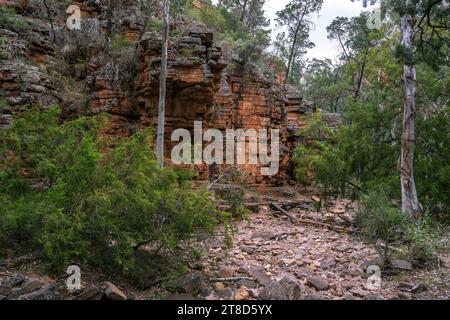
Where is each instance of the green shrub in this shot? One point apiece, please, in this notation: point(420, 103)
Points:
point(415, 240)
point(10, 19)
point(380, 219)
point(118, 211)
point(423, 240)
point(118, 41)
point(432, 164)
point(155, 24)
point(234, 197)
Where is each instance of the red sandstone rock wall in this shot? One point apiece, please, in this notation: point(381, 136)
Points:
point(125, 82)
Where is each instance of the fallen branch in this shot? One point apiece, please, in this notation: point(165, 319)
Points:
point(340, 215)
point(323, 224)
point(276, 206)
point(231, 279)
point(215, 181)
point(309, 222)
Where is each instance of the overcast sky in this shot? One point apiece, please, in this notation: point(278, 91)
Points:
point(330, 10)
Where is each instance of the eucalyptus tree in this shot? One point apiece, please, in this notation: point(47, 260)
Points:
point(162, 86)
point(424, 25)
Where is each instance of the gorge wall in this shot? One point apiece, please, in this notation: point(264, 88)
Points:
point(112, 65)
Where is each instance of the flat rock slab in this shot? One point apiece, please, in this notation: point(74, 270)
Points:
point(92, 293)
point(266, 235)
point(400, 264)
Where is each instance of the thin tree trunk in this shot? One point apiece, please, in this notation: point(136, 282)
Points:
point(294, 42)
point(360, 79)
point(162, 87)
point(244, 9)
point(109, 23)
point(410, 203)
point(291, 55)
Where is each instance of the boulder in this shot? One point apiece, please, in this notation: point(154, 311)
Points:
point(226, 272)
point(190, 283)
point(319, 283)
point(260, 276)
point(288, 288)
point(400, 264)
point(241, 294)
point(113, 293)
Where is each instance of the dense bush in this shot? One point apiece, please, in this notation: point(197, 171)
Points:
point(9, 18)
point(381, 219)
point(64, 197)
point(363, 154)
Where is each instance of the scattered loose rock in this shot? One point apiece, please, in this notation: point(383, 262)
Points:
point(248, 249)
point(29, 286)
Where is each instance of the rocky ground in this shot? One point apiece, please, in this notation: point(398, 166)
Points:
point(319, 262)
point(303, 254)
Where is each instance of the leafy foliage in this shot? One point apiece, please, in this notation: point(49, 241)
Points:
point(382, 220)
point(62, 195)
point(245, 33)
point(364, 152)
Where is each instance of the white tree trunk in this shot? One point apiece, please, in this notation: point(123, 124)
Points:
point(410, 203)
point(162, 87)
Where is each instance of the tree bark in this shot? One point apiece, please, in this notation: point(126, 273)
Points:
point(162, 87)
point(410, 203)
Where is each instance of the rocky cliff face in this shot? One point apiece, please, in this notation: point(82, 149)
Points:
point(112, 65)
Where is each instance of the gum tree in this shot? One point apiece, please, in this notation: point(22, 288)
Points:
point(421, 22)
point(162, 87)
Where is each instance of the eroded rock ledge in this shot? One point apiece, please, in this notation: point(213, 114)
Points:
point(84, 74)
